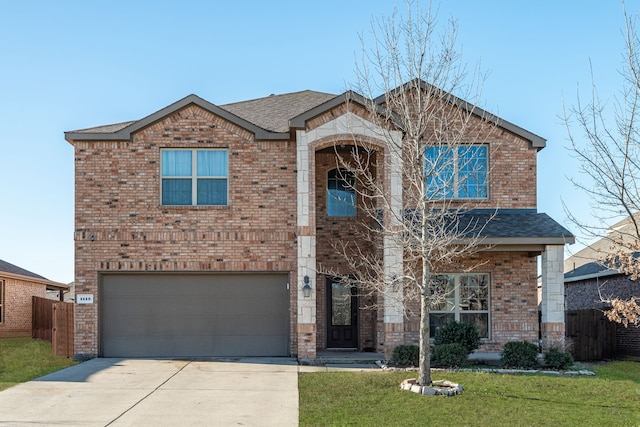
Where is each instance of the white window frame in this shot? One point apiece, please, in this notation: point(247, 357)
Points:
point(194, 175)
point(457, 311)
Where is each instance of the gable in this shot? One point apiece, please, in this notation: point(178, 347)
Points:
point(536, 141)
point(123, 131)
point(191, 123)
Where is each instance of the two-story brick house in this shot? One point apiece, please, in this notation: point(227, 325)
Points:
point(200, 230)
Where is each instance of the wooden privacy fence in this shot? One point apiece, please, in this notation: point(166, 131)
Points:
point(53, 321)
point(592, 335)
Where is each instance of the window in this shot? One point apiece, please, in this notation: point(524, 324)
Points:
point(456, 172)
point(461, 297)
point(194, 177)
point(341, 194)
point(1, 301)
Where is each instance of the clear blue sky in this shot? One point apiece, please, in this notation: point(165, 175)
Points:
point(68, 65)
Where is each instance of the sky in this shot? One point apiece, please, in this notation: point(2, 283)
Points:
point(69, 65)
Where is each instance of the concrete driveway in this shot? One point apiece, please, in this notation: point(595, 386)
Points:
point(141, 392)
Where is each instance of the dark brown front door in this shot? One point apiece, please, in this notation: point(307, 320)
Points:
point(342, 316)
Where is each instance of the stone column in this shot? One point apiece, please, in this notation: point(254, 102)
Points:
point(306, 314)
point(553, 330)
point(393, 251)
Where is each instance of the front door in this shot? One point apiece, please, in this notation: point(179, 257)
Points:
point(342, 315)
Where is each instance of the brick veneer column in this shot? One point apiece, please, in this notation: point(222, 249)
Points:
point(552, 328)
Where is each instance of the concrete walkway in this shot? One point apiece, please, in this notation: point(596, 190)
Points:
point(141, 392)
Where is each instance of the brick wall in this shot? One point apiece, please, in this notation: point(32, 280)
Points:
point(16, 319)
point(121, 226)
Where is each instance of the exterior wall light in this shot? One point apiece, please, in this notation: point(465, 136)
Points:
point(306, 289)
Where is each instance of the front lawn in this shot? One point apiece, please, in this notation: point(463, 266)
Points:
point(24, 359)
point(611, 398)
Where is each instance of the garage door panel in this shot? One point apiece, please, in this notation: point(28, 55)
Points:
point(170, 315)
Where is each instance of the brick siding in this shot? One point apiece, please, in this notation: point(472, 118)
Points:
point(17, 304)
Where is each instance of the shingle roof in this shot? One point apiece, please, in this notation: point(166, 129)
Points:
point(597, 268)
point(270, 118)
point(514, 225)
point(592, 269)
point(274, 112)
point(106, 128)
point(14, 269)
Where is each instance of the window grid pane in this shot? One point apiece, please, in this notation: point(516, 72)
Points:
point(176, 191)
point(440, 172)
point(212, 163)
point(212, 191)
point(472, 178)
point(176, 163)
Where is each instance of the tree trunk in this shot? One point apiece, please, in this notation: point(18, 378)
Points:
point(424, 376)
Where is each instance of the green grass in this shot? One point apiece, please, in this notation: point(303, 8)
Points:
point(611, 398)
point(24, 359)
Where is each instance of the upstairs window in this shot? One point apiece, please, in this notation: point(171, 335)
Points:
point(194, 177)
point(456, 172)
point(341, 194)
point(461, 297)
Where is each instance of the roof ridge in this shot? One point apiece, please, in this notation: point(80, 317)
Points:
point(277, 95)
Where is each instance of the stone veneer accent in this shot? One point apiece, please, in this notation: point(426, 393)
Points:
point(552, 304)
point(345, 128)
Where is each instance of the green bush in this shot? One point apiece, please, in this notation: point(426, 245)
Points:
point(519, 354)
point(465, 334)
point(557, 359)
point(406, 355)
point(451, 355)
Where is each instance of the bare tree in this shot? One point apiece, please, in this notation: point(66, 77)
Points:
point(434, 162)
point(607, 146)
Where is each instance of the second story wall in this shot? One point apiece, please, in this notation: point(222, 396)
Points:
point(118, 200)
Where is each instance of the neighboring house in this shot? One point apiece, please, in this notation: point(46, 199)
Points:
point(588, 279)
point(17, 286)
point(200, 229)
point(67, 295)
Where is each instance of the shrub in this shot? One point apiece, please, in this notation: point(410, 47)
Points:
point(451, 355)
point(556, 359)
point(519, 354)
point(465, 334)
point(406, 355)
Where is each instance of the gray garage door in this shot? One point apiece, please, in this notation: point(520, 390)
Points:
point(172, 315)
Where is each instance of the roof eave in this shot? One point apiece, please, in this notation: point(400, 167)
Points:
point(41, 281)
point(523, 241)
point(125, 133)
point(536, 141)
point(605, 273)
